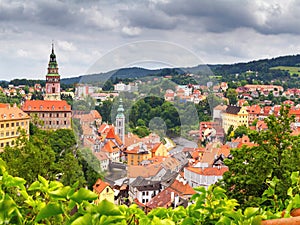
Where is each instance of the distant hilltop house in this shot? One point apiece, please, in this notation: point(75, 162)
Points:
point(130, 87)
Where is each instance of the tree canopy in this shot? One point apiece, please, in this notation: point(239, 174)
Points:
point(275, 155)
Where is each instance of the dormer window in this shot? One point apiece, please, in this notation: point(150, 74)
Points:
point(41, 107)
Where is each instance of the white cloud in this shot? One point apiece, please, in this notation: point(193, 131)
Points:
point(22, 53)
point(131, 31)
point(66, 46)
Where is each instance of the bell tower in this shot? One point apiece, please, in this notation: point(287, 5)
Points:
point(120, 122)
point(52, 79)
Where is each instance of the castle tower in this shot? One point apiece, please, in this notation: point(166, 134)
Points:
point(120, 122)
point(52, 79)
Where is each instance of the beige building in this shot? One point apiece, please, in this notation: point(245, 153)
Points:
point(12, 120)
point(49, 115)
point(235, 116)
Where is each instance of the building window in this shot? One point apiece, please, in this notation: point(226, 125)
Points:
point(17, 124)
point(65, 122)
point(50, 114)
point(49, 122)
point(2, 125)
point(12, 124)
point(2, 145)
point(65, 114)
point(57, 115)
point(43, 115)
point(7, 125)
point(57, 122)
point(107, 190)
point(12, 133)
point(22, 123)
point(2, 134)
point(7, 134)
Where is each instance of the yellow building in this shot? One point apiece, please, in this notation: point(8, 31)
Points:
point(104, 191)
point(137, 153)
point(12, 119)
point(235, 116)
point(159, 150)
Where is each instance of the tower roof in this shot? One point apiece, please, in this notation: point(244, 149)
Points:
point(120, 110)
point(52, 65)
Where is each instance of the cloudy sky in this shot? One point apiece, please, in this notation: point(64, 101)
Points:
point(84, 32)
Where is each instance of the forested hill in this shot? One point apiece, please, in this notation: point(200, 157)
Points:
point(224, 70)
point(123, 73)
point(262, 65)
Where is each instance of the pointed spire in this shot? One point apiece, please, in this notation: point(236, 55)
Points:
point(52, 47)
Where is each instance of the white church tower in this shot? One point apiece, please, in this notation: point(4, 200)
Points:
point(120, 122)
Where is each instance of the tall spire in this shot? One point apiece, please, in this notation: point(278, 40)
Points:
point(120, 122)
point(52, 47)
point(52, 78)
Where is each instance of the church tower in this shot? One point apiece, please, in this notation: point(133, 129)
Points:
point(52, 79)
point(120, 122)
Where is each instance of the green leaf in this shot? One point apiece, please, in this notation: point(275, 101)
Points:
point(107, 208)
point(250, 211)
point(224, 221)
point(34, 186)
point(43, 181)
point(52, 209)
point(295, 177)
point(86, 219)
point(83, 194)
point(61, 192)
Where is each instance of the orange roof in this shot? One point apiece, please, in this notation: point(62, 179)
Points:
point(182, 189)
point(110, 146)
point(101, 156)
point(155, 147)
point(104, 128)
point(112, 135)
point(157, 159)
point(41, 105)
point(96, 114)
point(162, 199)
point(143, 171)
point(11, 113)
point(225, 150)
point(100, 185)
point(131, 139)
point(209, 171)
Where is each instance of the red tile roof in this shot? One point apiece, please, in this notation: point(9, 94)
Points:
point(41, 105)
point(209, 171)
point(110, 146)
point(162, 199)
point(101, 156)
point(100, 185)
point(143, 171)
point(10, 113)
point(182, 189)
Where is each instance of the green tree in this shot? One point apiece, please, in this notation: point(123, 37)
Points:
point(29, 158)
point(240, 131)
point(105, 109)
point(276, 155)
point(231, 94)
